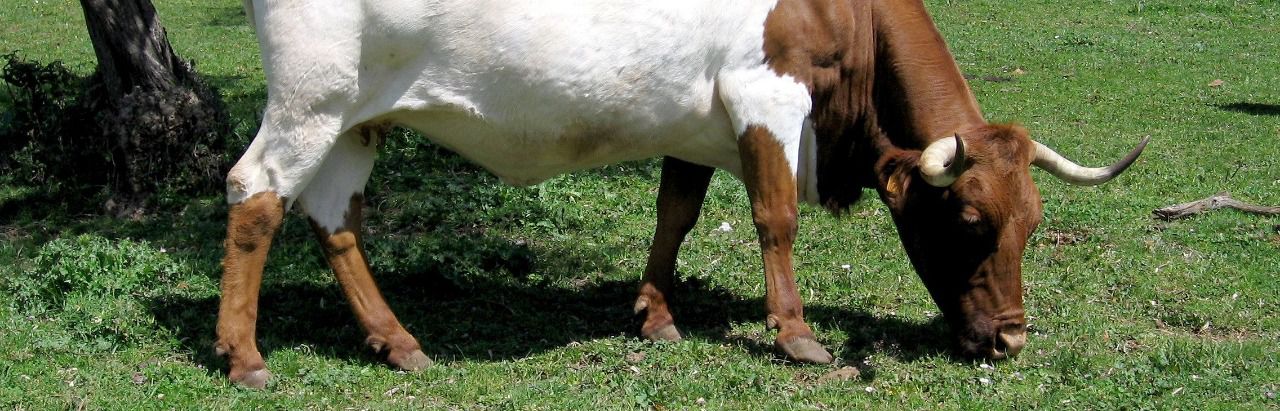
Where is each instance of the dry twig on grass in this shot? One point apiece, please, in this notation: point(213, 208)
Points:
point(1220, 200)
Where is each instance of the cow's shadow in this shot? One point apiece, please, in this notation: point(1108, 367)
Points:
point(509, 314)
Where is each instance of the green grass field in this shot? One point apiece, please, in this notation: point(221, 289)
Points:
point(522, 295)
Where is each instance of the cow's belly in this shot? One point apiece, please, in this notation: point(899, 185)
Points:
point(528, 98)
point(527, 153)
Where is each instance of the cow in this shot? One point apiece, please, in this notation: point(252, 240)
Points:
point(801, 100)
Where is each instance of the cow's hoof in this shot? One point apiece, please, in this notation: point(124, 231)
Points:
point(413, 361)
point(804, 349)
point(256, 379)
point(665, 333)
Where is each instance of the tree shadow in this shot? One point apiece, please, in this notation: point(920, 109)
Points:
point(1257, 109)
point(226, 16)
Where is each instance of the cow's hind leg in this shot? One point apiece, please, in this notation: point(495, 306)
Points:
point(680, 197)
point(269, 175)
point(251, 225)
point(333, 202)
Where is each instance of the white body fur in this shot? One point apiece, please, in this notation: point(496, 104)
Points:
point(529, 89)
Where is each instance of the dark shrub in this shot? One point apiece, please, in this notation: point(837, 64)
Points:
point(60, 131)
point(42, 133)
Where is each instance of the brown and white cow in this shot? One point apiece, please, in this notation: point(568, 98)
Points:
point(802, 100)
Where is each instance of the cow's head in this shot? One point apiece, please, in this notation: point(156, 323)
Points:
point(964, 208)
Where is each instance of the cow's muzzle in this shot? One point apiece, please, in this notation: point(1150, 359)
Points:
point(1008, 343)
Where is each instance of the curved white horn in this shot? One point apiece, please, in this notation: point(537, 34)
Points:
point(943, 161)
point(1073, 173)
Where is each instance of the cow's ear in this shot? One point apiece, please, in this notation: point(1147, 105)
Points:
point(896, 172)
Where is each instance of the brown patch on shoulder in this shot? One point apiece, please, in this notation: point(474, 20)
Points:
point(830, 48)
point(820, 44)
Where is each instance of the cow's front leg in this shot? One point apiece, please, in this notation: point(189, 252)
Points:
point(680, 196)
point(771, 186)
point(250, 227)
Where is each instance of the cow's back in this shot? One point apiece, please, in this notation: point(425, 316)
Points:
point(529, 89)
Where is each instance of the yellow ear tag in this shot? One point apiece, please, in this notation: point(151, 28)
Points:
point(892, 186)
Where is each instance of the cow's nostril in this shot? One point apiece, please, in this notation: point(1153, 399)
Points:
point(1010, 343)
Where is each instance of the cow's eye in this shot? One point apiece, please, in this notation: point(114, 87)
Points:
point(970, 215)
point(973, 223)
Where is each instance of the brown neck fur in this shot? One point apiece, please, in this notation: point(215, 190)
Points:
point(920, 91)
point(880, 76)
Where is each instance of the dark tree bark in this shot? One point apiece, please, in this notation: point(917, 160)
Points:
point(164, 127)
point(132, 47)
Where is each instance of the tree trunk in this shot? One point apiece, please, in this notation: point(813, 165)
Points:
point(164, 126)
point(132, 47)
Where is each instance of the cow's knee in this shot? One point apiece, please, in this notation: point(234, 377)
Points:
point(775, 225)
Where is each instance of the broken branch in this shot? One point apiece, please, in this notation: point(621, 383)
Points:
point(1220, 200)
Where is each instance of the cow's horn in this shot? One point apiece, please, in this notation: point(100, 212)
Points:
point(1073, 173)
point(943, 162)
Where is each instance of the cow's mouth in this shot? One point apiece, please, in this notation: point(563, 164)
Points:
point(1005, 344)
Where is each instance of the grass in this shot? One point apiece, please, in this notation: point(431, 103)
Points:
point(522, 295)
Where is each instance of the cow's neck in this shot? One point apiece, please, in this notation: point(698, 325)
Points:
point(879, 73)
point(920, 93)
